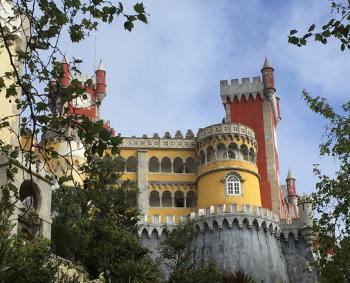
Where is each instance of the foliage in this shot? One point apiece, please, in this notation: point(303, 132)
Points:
point(178, 256)
point(237, 277)
point(136, 272)
point(30, 34)
point(96, 224)
point(27, 261)
point(96, 221)
point(336, 268)
point(332, 198)
point(338, 27)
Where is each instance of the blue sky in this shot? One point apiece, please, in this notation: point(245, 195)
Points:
point(165, 76)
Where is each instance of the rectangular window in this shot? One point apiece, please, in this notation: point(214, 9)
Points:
point(156, 219)
point(170, 219)
point(237, 190)
point(230, 188)
point(221, 208)
point(207, 211)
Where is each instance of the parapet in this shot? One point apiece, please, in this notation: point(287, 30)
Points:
point(169, 142)
point(243, 87)
point(226, 128)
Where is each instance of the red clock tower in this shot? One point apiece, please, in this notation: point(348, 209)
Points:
point(255, 104)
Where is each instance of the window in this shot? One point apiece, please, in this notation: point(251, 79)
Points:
point(167, 199)
point(156, 219)
point(178, 165)
point(154, 199)
point(166, 165)
point(190, 166)
point(179, 199)
point(170, 219)
point(153, 164)
point(131, 164)
point(233, 186)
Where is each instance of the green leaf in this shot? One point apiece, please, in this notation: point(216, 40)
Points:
point(139, 8)
point(142, 18)
point(311, 28)
point(293, 31)
point(128, 25)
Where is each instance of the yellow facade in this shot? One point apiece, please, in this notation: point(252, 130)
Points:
point(211, 185)
point(170, 194)
point(8, 106)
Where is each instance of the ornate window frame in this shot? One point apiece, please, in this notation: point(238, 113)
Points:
point(233, 183)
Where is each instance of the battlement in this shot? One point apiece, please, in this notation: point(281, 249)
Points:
point(178, 142)
point(234, 209)
point(82, 77)
point(225, 128)
point(242, 86)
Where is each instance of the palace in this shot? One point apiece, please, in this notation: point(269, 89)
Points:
point(225, 179)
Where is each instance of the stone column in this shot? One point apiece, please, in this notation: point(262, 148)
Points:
point(142, 180)
point(270, 155)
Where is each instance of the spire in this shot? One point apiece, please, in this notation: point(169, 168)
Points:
point(64, 59)
point(290, 175)
point(100, 67)
point(266, 63)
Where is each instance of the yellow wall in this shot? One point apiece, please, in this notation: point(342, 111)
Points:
point(7, 108)
point(211, 188)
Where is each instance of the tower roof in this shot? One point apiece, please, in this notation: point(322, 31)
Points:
point(290, 175)
point(100, 67)
point(266, 63)
point(64, 60)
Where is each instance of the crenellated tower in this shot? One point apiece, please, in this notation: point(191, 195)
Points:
point(255, 104)
point(87, 104)
point(67, 144)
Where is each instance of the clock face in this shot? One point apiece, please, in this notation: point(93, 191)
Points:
point(83, 101)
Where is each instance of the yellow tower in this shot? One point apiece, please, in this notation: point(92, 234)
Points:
point(227, 175)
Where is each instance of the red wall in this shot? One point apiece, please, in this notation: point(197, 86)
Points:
point(250, 113)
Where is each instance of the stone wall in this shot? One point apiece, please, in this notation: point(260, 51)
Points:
point(299, 258)
point(247, 246)
point(244, 241)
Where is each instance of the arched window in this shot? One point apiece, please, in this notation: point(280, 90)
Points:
point(166, 165)
point(210, 154)
point(190, 166)
point(244, 151)
point(232, 149)
point(190, 199)
point(178, 165)
point(131, 164)
point(154, 200)
point(221, 151)
point(202, 158)
point(179, 199)
point(167, 200)
point(153, 165)
point(233, 185)
point(29, 195)
point(252, 155)
point(120, 162)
